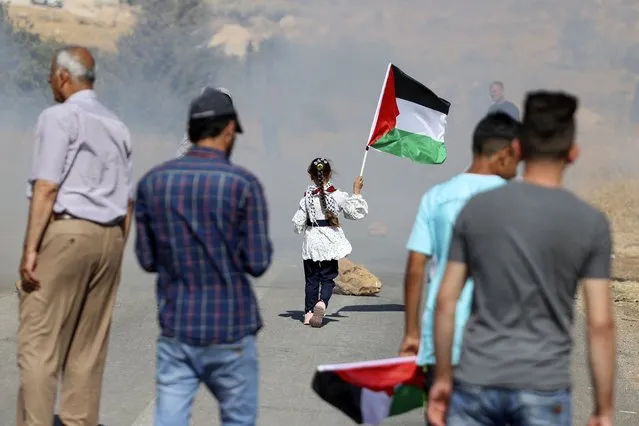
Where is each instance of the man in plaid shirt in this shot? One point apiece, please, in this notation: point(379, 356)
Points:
point(202, 226)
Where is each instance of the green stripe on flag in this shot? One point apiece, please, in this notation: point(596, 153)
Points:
point(416, 147)
point(406, 398)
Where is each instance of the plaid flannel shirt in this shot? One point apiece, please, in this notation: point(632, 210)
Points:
point(202, 226)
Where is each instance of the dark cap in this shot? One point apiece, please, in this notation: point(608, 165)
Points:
point(214, 103)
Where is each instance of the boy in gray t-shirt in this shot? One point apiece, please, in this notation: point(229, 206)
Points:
point(526, 245)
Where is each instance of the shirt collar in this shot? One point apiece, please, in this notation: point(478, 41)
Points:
point(314, 189)
point(205, 152)
point(82, 94)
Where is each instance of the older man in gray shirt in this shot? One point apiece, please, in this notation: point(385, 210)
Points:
point(527, 245)
point(80, 212)
point(500, 104)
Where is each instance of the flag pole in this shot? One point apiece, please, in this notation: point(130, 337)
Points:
point(361, 172)
point(379, 104)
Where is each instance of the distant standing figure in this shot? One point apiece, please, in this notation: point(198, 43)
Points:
point(202, 226)
point(496, 90)
point(324, 240)
point(80, 211)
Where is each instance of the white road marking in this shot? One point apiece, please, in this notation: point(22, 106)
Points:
point(146, 417)
point(628, 412)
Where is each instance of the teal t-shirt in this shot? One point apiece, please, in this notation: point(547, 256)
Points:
point(431, 236)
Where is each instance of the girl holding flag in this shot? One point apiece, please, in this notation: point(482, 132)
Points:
point(324, 240)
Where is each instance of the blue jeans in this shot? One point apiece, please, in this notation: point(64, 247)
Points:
point(479, 406)
point(229, 371)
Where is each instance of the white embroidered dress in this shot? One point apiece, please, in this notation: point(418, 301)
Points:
point(326, 242)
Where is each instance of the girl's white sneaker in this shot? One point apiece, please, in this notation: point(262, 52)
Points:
point(317, 317)
point(307, 318)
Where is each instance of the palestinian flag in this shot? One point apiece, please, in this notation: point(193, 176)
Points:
point(369, 392)
point(410, 120)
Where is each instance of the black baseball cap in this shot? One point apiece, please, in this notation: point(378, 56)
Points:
point(214, 103)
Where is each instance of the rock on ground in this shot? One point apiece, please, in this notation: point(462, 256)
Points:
point(355, 280)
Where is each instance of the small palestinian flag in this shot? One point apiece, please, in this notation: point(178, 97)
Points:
point(410, 120)
point(369, 392)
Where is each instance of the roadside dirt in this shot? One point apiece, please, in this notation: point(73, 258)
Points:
point(620, 201)
point(626, 300)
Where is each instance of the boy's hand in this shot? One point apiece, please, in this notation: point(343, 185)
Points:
point(409, 346)
point(439, 401)
point(358, 185)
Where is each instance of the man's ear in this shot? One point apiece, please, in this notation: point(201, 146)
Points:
point(229, 130)
point(573, 154)
point(63, 75)
point(516, 147)
point(231, 126)
point(500, 158)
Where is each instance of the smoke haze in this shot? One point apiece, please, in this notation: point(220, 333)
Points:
point(317, 82)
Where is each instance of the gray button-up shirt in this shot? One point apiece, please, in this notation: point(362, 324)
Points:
point(82, 146)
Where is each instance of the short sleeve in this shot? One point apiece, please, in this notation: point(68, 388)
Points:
point(129, 169)
point(130, 179)
point(515, 111)
point(598, 262)
point(56, 128)
point(420, 239)
point(458, 251)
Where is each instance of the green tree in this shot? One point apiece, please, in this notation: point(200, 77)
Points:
point(8, 52)
point(162, 63)
point(24, 62)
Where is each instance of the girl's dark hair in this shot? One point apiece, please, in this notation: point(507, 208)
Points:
point(319, 170)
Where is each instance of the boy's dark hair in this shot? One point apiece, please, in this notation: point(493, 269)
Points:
point(202, 128)
point(319, 170)
point(494, 132)
point(548, 128)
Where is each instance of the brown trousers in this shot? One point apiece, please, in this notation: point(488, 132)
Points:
point(64, 326)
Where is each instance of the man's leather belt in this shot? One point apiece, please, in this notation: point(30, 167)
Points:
point(67, 216)
point(318, 223)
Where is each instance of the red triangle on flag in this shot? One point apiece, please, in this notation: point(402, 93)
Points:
point(387, 110)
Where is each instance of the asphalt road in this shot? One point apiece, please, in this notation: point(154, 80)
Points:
point(358, 329)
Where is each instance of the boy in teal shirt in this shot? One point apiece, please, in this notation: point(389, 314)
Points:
point(494, 163)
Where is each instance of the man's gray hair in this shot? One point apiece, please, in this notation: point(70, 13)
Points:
point(65, 59)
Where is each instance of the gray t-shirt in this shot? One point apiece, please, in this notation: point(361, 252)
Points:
point(526, 247)
point(505, 107)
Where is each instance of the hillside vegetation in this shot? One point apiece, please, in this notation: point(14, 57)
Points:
point(526, 42)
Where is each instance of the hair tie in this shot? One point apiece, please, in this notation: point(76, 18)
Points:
point(320, 166)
